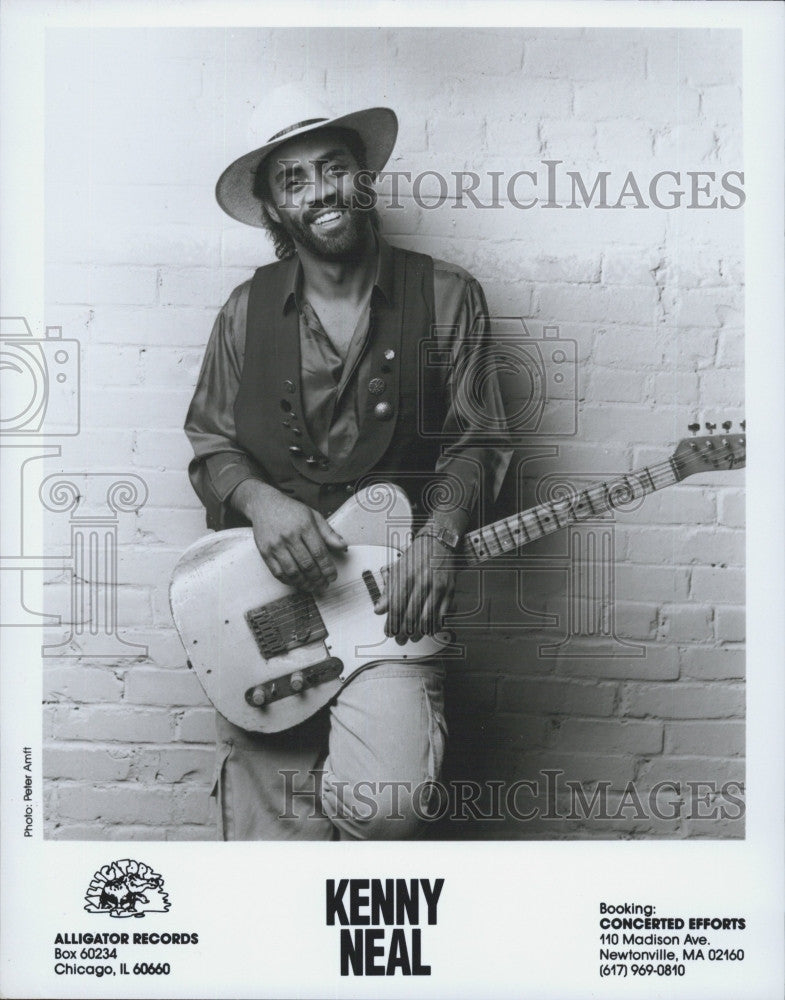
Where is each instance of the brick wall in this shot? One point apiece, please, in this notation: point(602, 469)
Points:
point(139, 257)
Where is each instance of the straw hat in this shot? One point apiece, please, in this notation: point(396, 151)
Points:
point(289, 113)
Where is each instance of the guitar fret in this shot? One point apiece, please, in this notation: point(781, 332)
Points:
point(499, 542)
point(512, 543)
point(491, 541)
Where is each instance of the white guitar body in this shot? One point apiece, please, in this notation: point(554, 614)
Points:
point(268, 656)
point(222, 578)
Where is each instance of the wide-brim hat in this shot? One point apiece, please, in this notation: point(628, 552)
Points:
point(287, 115)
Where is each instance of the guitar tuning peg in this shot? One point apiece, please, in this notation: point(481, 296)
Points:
point(744, 425)
point(726, 425)
point(711, 428)
point(694, 428)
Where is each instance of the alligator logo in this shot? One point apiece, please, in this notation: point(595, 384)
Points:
point(126, 889)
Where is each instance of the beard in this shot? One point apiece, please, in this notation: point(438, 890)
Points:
point(347, 244)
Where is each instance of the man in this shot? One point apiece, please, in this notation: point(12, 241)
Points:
point(311, 384)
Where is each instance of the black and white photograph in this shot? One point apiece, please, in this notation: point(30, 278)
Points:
point(374, 443)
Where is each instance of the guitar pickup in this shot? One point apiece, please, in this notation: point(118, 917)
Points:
point(289, 685)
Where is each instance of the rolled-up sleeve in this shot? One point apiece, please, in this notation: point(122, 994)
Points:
point(220, 464)
point(476, 453)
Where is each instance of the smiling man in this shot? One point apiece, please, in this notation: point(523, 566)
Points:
point(311, 383)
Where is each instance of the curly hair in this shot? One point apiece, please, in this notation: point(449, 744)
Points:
point(282, 242)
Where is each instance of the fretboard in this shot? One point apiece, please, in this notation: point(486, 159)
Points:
point(511, 533)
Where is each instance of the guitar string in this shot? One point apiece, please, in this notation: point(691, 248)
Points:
point(663, 469)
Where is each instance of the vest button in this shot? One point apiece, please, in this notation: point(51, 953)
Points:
point(383, 411)
point(349, 488)
point(295, 449)
point(377, 386)
point(389, 354)
point(311, 460)
point(296, 431)
point(289, 385)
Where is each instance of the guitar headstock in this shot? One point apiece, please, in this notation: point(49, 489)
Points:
point(711, 452)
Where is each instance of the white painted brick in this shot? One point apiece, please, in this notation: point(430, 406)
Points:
point(189, 286)
point(608, 737)
point(614, 385)
point(686, 701)
point(173, 764)
point(555, 697)
point(113, 366)
point(641, 425)
point(720, 584)
point(617, 769)
point(706, 739)
point(604, 99)
point(682, 504)
point(709, 58)
point(81, 683)
point(688, 770)
point(721, 389)
point(731, 624)
point(573, 142)
point(672, 388)
point(193, 831)
point(196, 725)
point(245, 247)
point(80, 763)
point(124, 802)
point(616, 348)
point(686, 622)
point(162, 450)
point(731, 348)
point(193, 804)
point(595, 56)
point(478, 52)
point(163, 687)
point(635, 621)
point(712, 663)
point(659, 662)
point(88, 285)
point(732, 508)
point(174, 368)
point(116, 724)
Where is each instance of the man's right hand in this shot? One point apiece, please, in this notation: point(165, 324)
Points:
point(294, 540)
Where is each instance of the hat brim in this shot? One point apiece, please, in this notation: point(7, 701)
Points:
point(377, 128)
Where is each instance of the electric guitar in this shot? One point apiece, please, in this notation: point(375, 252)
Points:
point(269, 656)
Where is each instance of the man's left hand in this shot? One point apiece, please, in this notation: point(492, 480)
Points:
point(419, 589)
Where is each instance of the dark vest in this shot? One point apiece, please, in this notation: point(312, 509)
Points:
point(401, 396)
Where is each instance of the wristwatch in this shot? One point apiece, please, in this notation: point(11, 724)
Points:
point(449, 538)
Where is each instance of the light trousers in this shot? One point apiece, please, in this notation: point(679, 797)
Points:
point(360, 769)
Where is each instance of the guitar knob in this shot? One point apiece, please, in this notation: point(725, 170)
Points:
point(259, 695)
point(297, 681)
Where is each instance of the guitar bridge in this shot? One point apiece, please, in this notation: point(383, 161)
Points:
point(285, 624)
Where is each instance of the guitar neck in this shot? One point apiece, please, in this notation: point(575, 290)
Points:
point(512, 533)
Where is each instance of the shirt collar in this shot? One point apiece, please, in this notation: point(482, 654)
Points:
point(383, 283)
